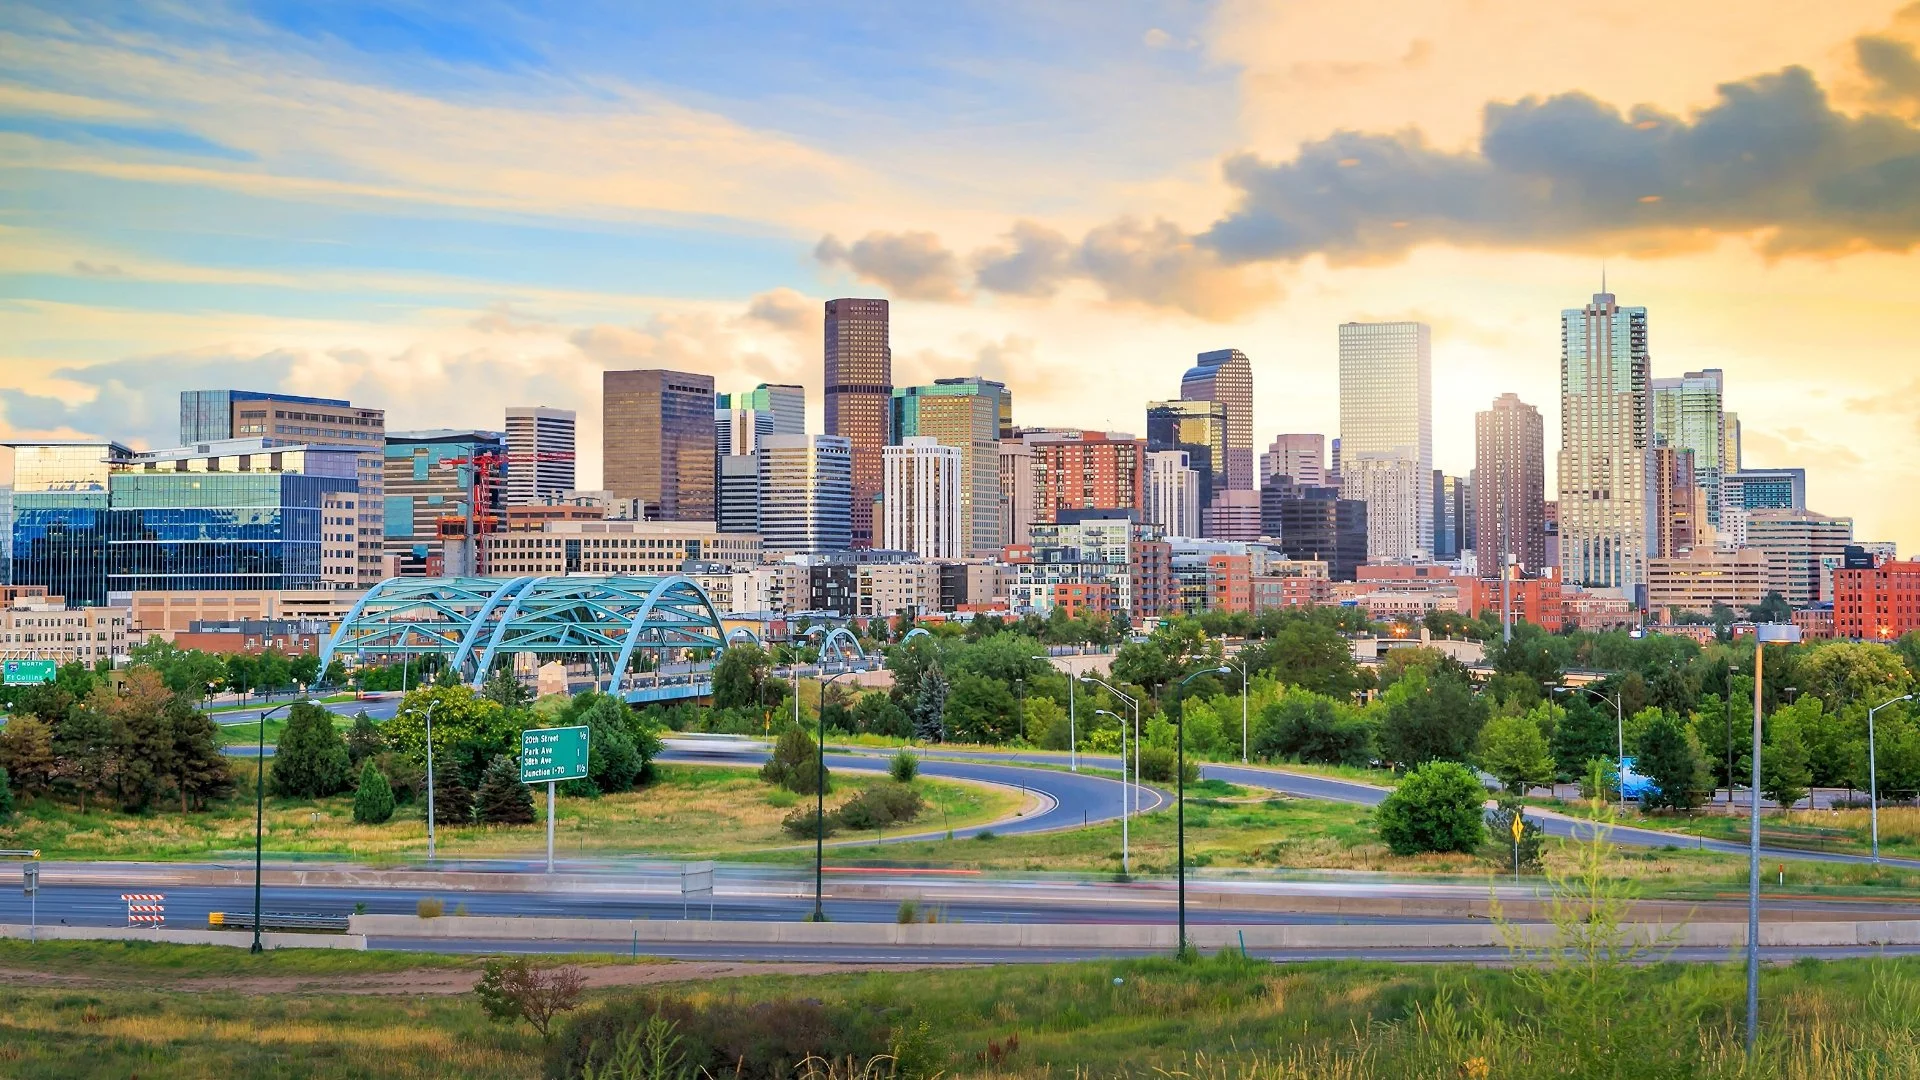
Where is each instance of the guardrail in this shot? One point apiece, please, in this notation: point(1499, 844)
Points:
point(299, 922)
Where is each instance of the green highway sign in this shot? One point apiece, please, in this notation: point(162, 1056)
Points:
point(549, 754)
point(25, 672)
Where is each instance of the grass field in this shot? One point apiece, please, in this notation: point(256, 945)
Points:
point(691, 810)
point(1846, 831)
point(249, 734)
point(1221, 1017)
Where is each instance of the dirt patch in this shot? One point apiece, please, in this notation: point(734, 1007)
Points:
point(429, 981)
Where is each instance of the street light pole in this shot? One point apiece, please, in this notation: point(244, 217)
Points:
point(820, 808)
point(1073, 739)
point(430, 706)
point(1763, 635)
point(1240, 666)
point(1873, 776)
point(259, 813)
point(1135, 703)
point(1126, 862)
point(1180, 792)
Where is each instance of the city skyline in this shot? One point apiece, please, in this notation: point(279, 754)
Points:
point(994, 269)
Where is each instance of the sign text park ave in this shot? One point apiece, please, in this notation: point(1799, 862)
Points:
point(549, 754)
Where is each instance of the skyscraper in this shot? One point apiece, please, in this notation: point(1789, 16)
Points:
point(859, 381)
point(60, 512)
point(1606, 445)
point(1226, 376)
point(1173, 492)
point(924, 499)
point(1510, 487)
point(806, 484)
point(1316, 523)
point(1303, 458)
point(423, 487)
point(1452, 516)
point(1017, 491)
point(658, 439)
point(964, 414)
point(1730, 455)
point(1198, 426)
point(1678, 506)
point(1687, 415)
point(216, 415)
point(1386, 414)
point(539, 454)
point(785, 403)
point(1086, 470)
point(737, 508)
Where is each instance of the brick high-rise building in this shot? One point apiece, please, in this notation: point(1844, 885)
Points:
point(658, 441)
point(1679, 509)
point(1086, 470)
point(1510, 487)
point(1876, 603)
point(859, 381)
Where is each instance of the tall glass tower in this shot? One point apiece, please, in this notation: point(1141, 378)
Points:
point(1386, 416)
point(1687, 415)
point(859, 381)
point(1226, 376)
point(1606, 445)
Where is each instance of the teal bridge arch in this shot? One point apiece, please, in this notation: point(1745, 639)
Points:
point(475, 622)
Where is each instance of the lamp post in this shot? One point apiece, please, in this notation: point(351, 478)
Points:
point(1873, 776)
point(1764, 634)
point(430, 706)
point(1135, 704)
point(1126, 861)
point(1073, 739)
point(820, 807)
point(1180, 791)
point(1619, 731)
point(260, 812)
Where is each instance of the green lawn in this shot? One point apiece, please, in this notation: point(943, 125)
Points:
point(690, 810)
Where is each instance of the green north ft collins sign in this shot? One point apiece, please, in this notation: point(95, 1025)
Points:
point(549, 754)
point(28, 672)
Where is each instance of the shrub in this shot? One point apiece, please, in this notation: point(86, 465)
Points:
point(903, 767)
point(373, 803)
point(311, 761)
point(6, 797)
point(909, 912)
point(801, 822)
point(514, 989)
point(1157, 765)
point(795, 764)
point(724, 1036)
point(879, 806)
point(364, 739)
point(1435, 808)
point(429, 907)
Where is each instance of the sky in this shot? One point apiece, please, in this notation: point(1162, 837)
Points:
point(442, 210)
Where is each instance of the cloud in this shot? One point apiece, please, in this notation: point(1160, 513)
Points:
point(912, 265)
point(137, 399)
point(1033, 261)
point(1158, 39)
point(1159, 264)
point(83, 267)
point(788, 311)
point(1770, 158)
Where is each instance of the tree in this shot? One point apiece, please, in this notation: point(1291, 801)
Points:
point(511, 990)
point(468, 730)
point(1314, 729)
point(274, 671)
point(1669, 755)
point(502, 798)
point(930, 706)
point(1435, 808)
point(26, 752)
point(185, 671)
point(503, 688)
point(739, 676)
point(1772, 609)
point(199, 771)
point(981, 710)
point(1514, 751)
point(1584, 732)
point(876, 714)
point(142, 746)
point(83, 743)
point(1842, 673)
point(452, 798)
point(1532, 837)
point(1042, 716)
point(1428, 718)
point(1784, 771)
point(795, 764)
point(364, 739)
point(1309, 654)
point(1145, 664)
point(304, 669)
point(909, 661)
point(612, 760)
point(373, 802)
point(1896, 757)
point(311, 761)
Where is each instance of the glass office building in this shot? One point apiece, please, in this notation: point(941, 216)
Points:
point(96, 519)
point(1606, 445)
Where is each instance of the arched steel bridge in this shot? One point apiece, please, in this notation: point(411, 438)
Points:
point(475, 622)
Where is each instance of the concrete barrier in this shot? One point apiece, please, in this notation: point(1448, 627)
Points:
point(1108, 935)
point(185, 937)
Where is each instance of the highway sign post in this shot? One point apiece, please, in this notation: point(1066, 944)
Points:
point(30, 884)
point(28, 672)
point(696, 881)
point(551, 755)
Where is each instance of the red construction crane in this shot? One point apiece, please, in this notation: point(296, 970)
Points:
point(484, 473)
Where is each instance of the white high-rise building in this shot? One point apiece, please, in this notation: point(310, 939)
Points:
point(921, 504)
point(1302, 457)
point(1386, 412)
point(1399, 499)
point(540, 448)
point(806, 493)
point(739, 431)
point(1606, 501)
point(1173, 492)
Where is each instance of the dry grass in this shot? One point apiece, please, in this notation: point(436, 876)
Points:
point(690, 810)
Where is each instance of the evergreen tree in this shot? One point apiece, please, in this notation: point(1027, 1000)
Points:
point(452, 799)
point(502, 798)
point(930, 706)
point(364, 739)
point(503, 688)
point(26, 752)
point(1669, 755)
point(311, 761)
point(83, 743)
point(373, 803)
point(6, 796)
point(199, 771)
point(795, 764)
